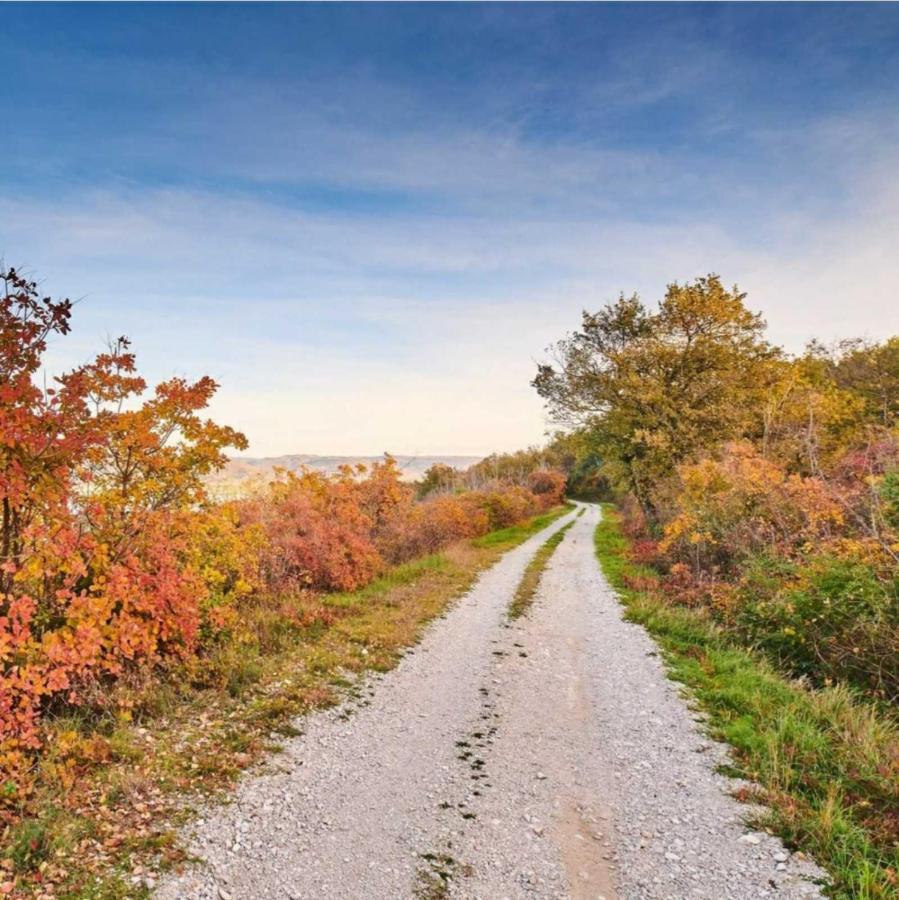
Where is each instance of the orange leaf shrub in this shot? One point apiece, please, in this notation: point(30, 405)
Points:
point(741, 503)
point(318, 534)
point(505, 505)
point(338, 532)
point(548, 485)
point(431, 524)
point(803, 566)
point(100, 505)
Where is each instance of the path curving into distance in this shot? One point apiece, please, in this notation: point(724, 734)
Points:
point(546, 758)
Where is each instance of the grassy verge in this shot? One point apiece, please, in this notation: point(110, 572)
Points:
point(506, 538)
point(826, 763)
point(120, 776)
point(527, 587)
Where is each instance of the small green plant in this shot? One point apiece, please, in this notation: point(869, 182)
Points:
point(833, 621)
point(433, 879)
point(29, 844)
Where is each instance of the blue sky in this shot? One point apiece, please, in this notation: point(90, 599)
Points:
point(367, 221)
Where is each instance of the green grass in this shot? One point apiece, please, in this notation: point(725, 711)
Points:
point(509, 537)
point(407, 573)
point(527, 587)
point(826, 762)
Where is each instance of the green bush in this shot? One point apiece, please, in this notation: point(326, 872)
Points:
point(829, 620)
point(889, 496)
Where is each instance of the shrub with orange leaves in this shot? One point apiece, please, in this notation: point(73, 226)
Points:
point(644, 551)
point(803, 566)
point(740, 503)
point(382, 495)
point(318, 534)
point(507, 504)
point(338, 532)
point(100, 502)
point(429, 525)
point(548, 485)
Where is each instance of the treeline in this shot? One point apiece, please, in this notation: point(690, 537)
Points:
point(760, 486)
point(564, 463)
point(115, 564)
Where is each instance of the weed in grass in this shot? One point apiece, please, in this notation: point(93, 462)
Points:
point(29, 844)
point(432, 881)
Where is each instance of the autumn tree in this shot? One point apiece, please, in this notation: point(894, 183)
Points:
point(102, 497)
point(656, 387)
point(438, 478)
point(808, 420)
point(867, 369)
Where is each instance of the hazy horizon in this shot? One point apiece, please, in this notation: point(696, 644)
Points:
point(249, 456)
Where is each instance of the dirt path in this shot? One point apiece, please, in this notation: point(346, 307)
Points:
point(547, 759)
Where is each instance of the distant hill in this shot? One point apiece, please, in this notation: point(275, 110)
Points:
point(241, 473)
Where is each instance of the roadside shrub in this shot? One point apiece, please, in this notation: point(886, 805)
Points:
point(506, 505)
point(337, 532)
point(317, 533)
point(226, 554)
point(742, 503)
point(101, 483)
point(644, 551)
point(829, 619)
point(548, 485)
point(803, 567)
point(889, 495)
point(434, 523)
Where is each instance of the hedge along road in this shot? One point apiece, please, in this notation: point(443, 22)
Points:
point(547, 757)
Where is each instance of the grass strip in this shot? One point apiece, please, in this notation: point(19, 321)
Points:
point(825, 762)
point(120, 775)
point(527, 587)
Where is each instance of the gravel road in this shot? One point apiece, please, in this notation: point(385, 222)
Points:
point(550, 758)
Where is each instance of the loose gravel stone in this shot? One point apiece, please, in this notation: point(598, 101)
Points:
point(549, 758)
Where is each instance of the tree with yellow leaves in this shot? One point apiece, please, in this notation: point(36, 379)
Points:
point(658, 387)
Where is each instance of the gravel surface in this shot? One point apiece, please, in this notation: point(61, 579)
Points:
point(546, 759)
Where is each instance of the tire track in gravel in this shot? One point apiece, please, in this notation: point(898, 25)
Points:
point(540, 759)
point(602, 785)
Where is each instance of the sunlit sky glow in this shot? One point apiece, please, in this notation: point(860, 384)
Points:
point(366, 222)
